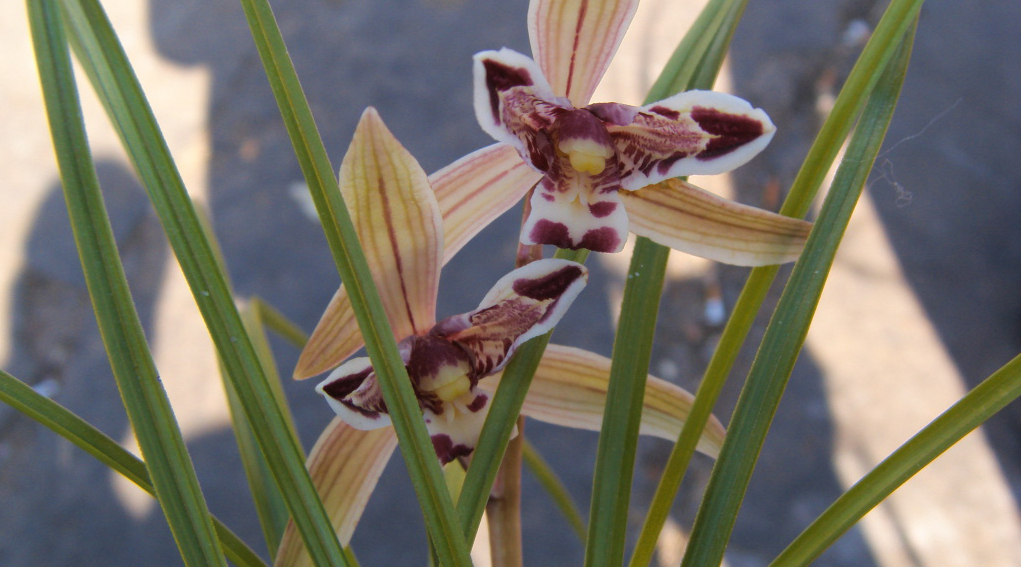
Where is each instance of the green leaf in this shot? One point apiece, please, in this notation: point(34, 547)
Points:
point(152, 419)
point(403, 408)
point(63, 422)
point(107, 66)
point(699, 58)
point(989, 397)
point(789, 325)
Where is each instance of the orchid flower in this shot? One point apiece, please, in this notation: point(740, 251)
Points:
point(400, 226)
point(590, 155)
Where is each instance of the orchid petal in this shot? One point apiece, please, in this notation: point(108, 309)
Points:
point(345, 465)
point(399, 226)
point(513, 103)
point(574, 40)
point(692, 133)
point(525, 303)
point(570, 388)
point(693, 220)
point(595, 220)
point(398, 221)
point(455, 432)
point(353, 393)
point(476, 189)
point(471, 192)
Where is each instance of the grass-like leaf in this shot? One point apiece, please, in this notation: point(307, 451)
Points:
point(989, 397)
point(417, 449)
point(695, 64)
point(83, 435)
point(152, 419)
point(107, 66)
point(789, 326)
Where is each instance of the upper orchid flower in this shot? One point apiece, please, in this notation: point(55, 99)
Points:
point(589, 153)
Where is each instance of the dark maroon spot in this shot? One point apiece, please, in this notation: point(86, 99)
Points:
point(550, 286)
point(478, 403)
point(500, 77)
point(664, 165)
point(445, 449)
point(665, 112)
point(603, 239)
point(341, 387)
point(602, 209)
point(613, 113)
point(731, 130)
point(540, 148)
point(554, 233)
point(431, 353)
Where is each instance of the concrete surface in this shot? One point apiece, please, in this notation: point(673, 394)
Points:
point(921, 305)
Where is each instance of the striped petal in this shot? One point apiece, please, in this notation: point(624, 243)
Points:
point(525, 303)
point(570, 387)
point(345, 465)
point(695, 221)
point(476, 189)
point(398, 222)
point(692, 133)
point(574, 40)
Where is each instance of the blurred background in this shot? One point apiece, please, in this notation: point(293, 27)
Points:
point(922, 303)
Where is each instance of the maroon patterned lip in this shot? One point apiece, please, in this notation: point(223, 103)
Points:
point(429, 354)
point(613, 112)
point(731, 130)
point(445, 449)
point(550, 286)
point(500, 77)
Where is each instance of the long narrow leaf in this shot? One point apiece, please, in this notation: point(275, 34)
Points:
point(152, 420)
point(63, 422)
point(989, 397)
point(632, 349)
point(402, 405)
point(789, 326)
point(107, 66)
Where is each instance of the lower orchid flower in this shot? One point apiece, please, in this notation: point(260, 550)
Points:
point(446, 363)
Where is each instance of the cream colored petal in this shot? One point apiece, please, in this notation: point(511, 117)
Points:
point(335, 338)
point(345, 465)
point(570, 386)
point(398, 221)
point(693, 220)
point(471, 192)
point(395, 213)
point(476, 189)
point(574, 40)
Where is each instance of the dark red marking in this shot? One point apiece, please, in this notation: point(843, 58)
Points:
point(478, 403)
point(668, 113)
point(665, 164)
point(731, 130)
point(550, 286)
point(603, 209)
point(445, 449)
point(500, 77)
point(601, 240)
